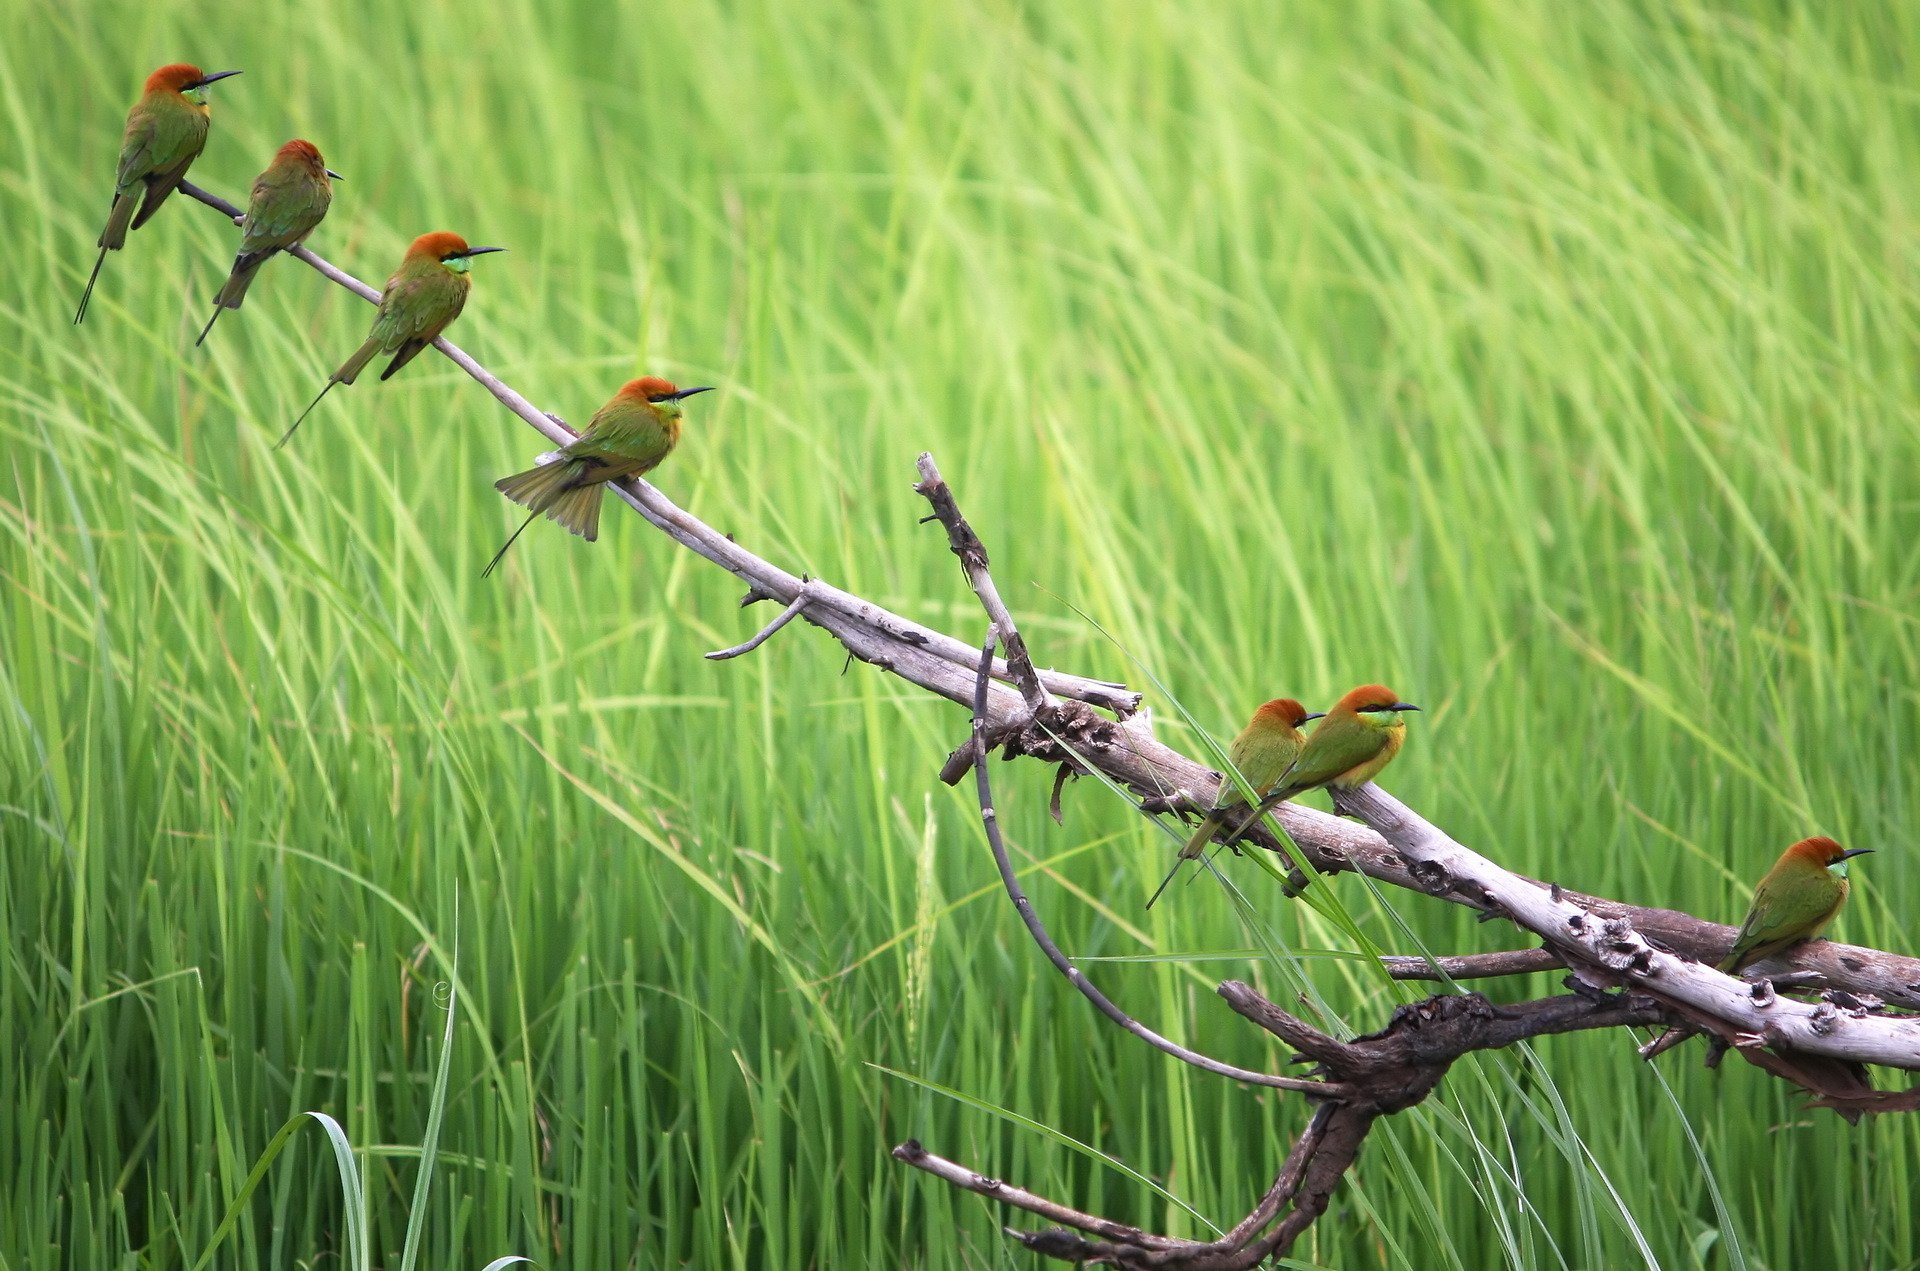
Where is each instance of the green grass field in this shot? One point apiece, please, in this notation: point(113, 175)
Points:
point(1554, 364)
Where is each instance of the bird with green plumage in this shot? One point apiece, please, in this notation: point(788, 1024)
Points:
point(422, 297)
point(166, 131)
point(1262, 753)
point(1794, 902)
point(1355, 740)
point(289, 199)
point(627, 437)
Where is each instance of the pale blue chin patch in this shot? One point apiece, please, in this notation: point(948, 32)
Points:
point(459, 264)
point(1839, 869)
point(198, 96)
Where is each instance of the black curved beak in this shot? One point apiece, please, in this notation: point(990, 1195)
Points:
point(471, 252)
point(685, 393)
point(1315, 715)
point(204, 80)
point(1856, 851)
point(332, 175)
point(1403, 706)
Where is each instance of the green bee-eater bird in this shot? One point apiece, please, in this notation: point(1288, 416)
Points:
point(166, 130)
point(1355, 740)
point(1794, 902)
point(627, 437)
point(1262, 753)
point(289, 199)
point(425, 294)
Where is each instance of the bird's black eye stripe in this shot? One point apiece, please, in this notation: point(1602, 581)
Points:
point(660, 397)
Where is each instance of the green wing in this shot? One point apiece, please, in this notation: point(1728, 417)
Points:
point(158, 139)
point(416, 307)
point(628, 438)
point(136, 150)
point(281, 214)
point(1336, 746)
point(1784, 913)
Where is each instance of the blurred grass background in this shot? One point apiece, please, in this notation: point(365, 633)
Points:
point(1552, 363)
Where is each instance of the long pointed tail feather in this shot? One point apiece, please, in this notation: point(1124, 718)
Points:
point(287, 436)
point(87, 295)
point(499, 555)
point(217, 308)
point(1167, 882)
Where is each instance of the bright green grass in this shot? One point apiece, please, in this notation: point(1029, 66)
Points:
point(1553, 363)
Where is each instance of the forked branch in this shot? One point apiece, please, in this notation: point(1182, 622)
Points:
point(1630, 965)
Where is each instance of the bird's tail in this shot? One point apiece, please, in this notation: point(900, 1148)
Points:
point(114, 236)
point(287, 436)
point(556, 489)
point(1203, 835)
point(502, 553)
point(87, 295)
point(351, 368)
point(537, 487)
point(551, 488)
point(245, 266)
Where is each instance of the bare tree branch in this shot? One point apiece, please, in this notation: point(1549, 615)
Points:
point(765, 633)
point(1611, 950)
point(1659, 959)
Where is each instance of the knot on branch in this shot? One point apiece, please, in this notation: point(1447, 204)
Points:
point(1432, 877)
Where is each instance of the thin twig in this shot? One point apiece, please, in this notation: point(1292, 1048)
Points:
point(787, 615)
point(911, 1153)
point(973, 561)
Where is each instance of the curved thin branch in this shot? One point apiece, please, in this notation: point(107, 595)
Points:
point(765, 633)
point(991, 819)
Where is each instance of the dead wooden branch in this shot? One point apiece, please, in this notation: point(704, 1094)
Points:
point(1817, 1046)
point(1652, 959)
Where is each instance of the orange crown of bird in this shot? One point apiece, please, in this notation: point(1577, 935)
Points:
point(1819, 852)
point(1367, 696)
point(1283, 710)
point(648, 388)
point(440, 244)
point(174, 77)
point(306, 152)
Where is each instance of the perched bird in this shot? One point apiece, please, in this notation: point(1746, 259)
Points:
point(627, 437)
point(289, 199)
point(425, 294)
point(1262, 753)
point(1355, 740)
point(1794, 902)
point(166, 130)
